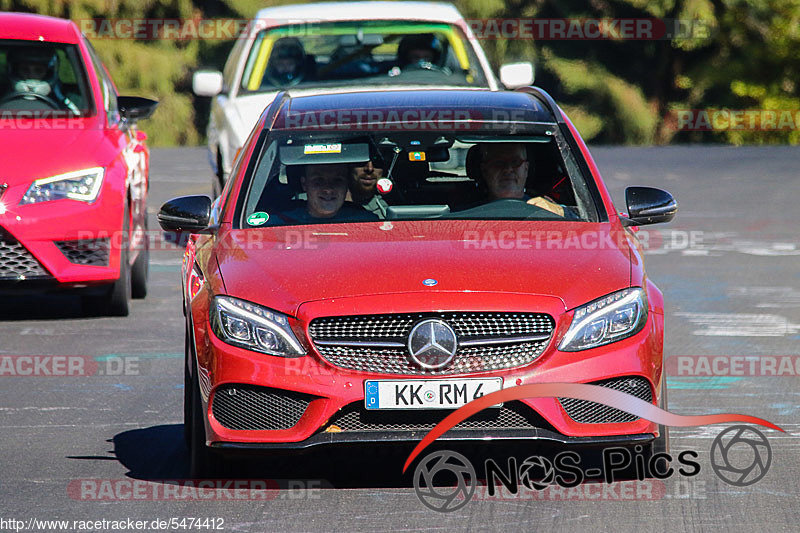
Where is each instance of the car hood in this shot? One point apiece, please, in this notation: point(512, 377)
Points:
point(46, 147)
point(285, 267)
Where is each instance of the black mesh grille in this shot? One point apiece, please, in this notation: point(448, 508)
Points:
point(247, 407)
point(16, 262)
point(489, 327)
point(86, 252)
point(596, 413)
point(513, 415)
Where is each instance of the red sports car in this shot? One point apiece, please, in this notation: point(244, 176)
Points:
point(379, 259)
point(73, 188)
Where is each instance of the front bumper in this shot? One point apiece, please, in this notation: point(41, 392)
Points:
point(329, 393)
point(62, 243)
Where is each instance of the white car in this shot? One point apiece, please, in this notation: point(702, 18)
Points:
point(338, 47)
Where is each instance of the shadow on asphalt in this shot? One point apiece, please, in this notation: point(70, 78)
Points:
point(18, 307)
point(158, 454)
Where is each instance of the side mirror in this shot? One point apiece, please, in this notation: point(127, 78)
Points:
point(207, 82)
point(647, 205)
point(186, 213)
point(133, 108)
point(514, 75)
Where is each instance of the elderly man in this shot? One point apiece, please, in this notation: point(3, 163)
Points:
point(504, 170)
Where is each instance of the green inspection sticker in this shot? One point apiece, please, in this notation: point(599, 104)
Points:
point(257, 219)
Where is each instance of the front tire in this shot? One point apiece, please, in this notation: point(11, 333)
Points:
point(203, 462)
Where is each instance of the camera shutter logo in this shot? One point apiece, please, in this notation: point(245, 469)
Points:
point(445, 499)
point(734, 463)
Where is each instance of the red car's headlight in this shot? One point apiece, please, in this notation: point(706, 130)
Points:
point(256, 328)
point(609, 319)
point(83, 185)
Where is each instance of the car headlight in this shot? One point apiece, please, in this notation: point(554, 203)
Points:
point(254, 327)
point(83, 185)
point(609, 319)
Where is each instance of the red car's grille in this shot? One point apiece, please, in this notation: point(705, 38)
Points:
point(16, 262)
point(377, 343)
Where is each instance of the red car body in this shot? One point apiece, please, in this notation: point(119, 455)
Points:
point(36, 146)
point(340, 270)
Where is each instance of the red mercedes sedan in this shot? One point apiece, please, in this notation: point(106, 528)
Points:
point(379, 259)
point(74, 183)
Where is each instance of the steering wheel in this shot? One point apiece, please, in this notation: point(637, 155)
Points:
point(27, 96)
point(507, 207)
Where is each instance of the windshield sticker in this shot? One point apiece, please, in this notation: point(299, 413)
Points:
point(258, 219)
point(416, 156)
point(335, 148)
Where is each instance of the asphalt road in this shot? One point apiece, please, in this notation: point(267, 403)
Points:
point(109, 445)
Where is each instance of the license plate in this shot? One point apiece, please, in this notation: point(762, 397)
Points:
point(427, 393)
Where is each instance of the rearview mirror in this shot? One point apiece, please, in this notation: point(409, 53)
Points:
point(514, 75)
point(134, 108)
point(207, 83)
point(186, 213)
point(648, 205)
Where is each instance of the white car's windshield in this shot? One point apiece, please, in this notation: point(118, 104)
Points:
point(358, 53)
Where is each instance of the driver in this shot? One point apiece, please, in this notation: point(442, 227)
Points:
point(504, 170)
point(34, 71)
point(422, 51)
point(286, 62)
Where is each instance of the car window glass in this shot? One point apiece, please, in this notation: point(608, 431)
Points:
point(354, 53)
point(42, 77)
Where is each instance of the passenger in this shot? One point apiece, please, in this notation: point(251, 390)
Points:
point(364, 188)
point(286, 62)
point(504, 170)
point(419, 50)
point(325, 186)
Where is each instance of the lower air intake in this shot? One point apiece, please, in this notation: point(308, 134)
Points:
point(595, 413)
point(248, 407)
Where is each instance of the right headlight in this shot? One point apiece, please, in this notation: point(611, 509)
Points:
point(609, 319)
point(254, 327)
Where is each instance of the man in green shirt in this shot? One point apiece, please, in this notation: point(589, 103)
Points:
point(364, 188)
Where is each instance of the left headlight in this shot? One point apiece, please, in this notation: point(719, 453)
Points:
point(83, 185)
point(253, 327)
point(609, 319)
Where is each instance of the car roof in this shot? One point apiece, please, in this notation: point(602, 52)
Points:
point(341, 11)
point(442, 105)
point(31, 27)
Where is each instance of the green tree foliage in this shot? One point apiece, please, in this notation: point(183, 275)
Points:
point(732, 54)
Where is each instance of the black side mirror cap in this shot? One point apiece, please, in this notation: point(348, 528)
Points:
point(186, 213)
point(134, 108)
point(648, 205)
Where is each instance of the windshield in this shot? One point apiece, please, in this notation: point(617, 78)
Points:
point(358, 53)
point(305, 178)
point(47, 79)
